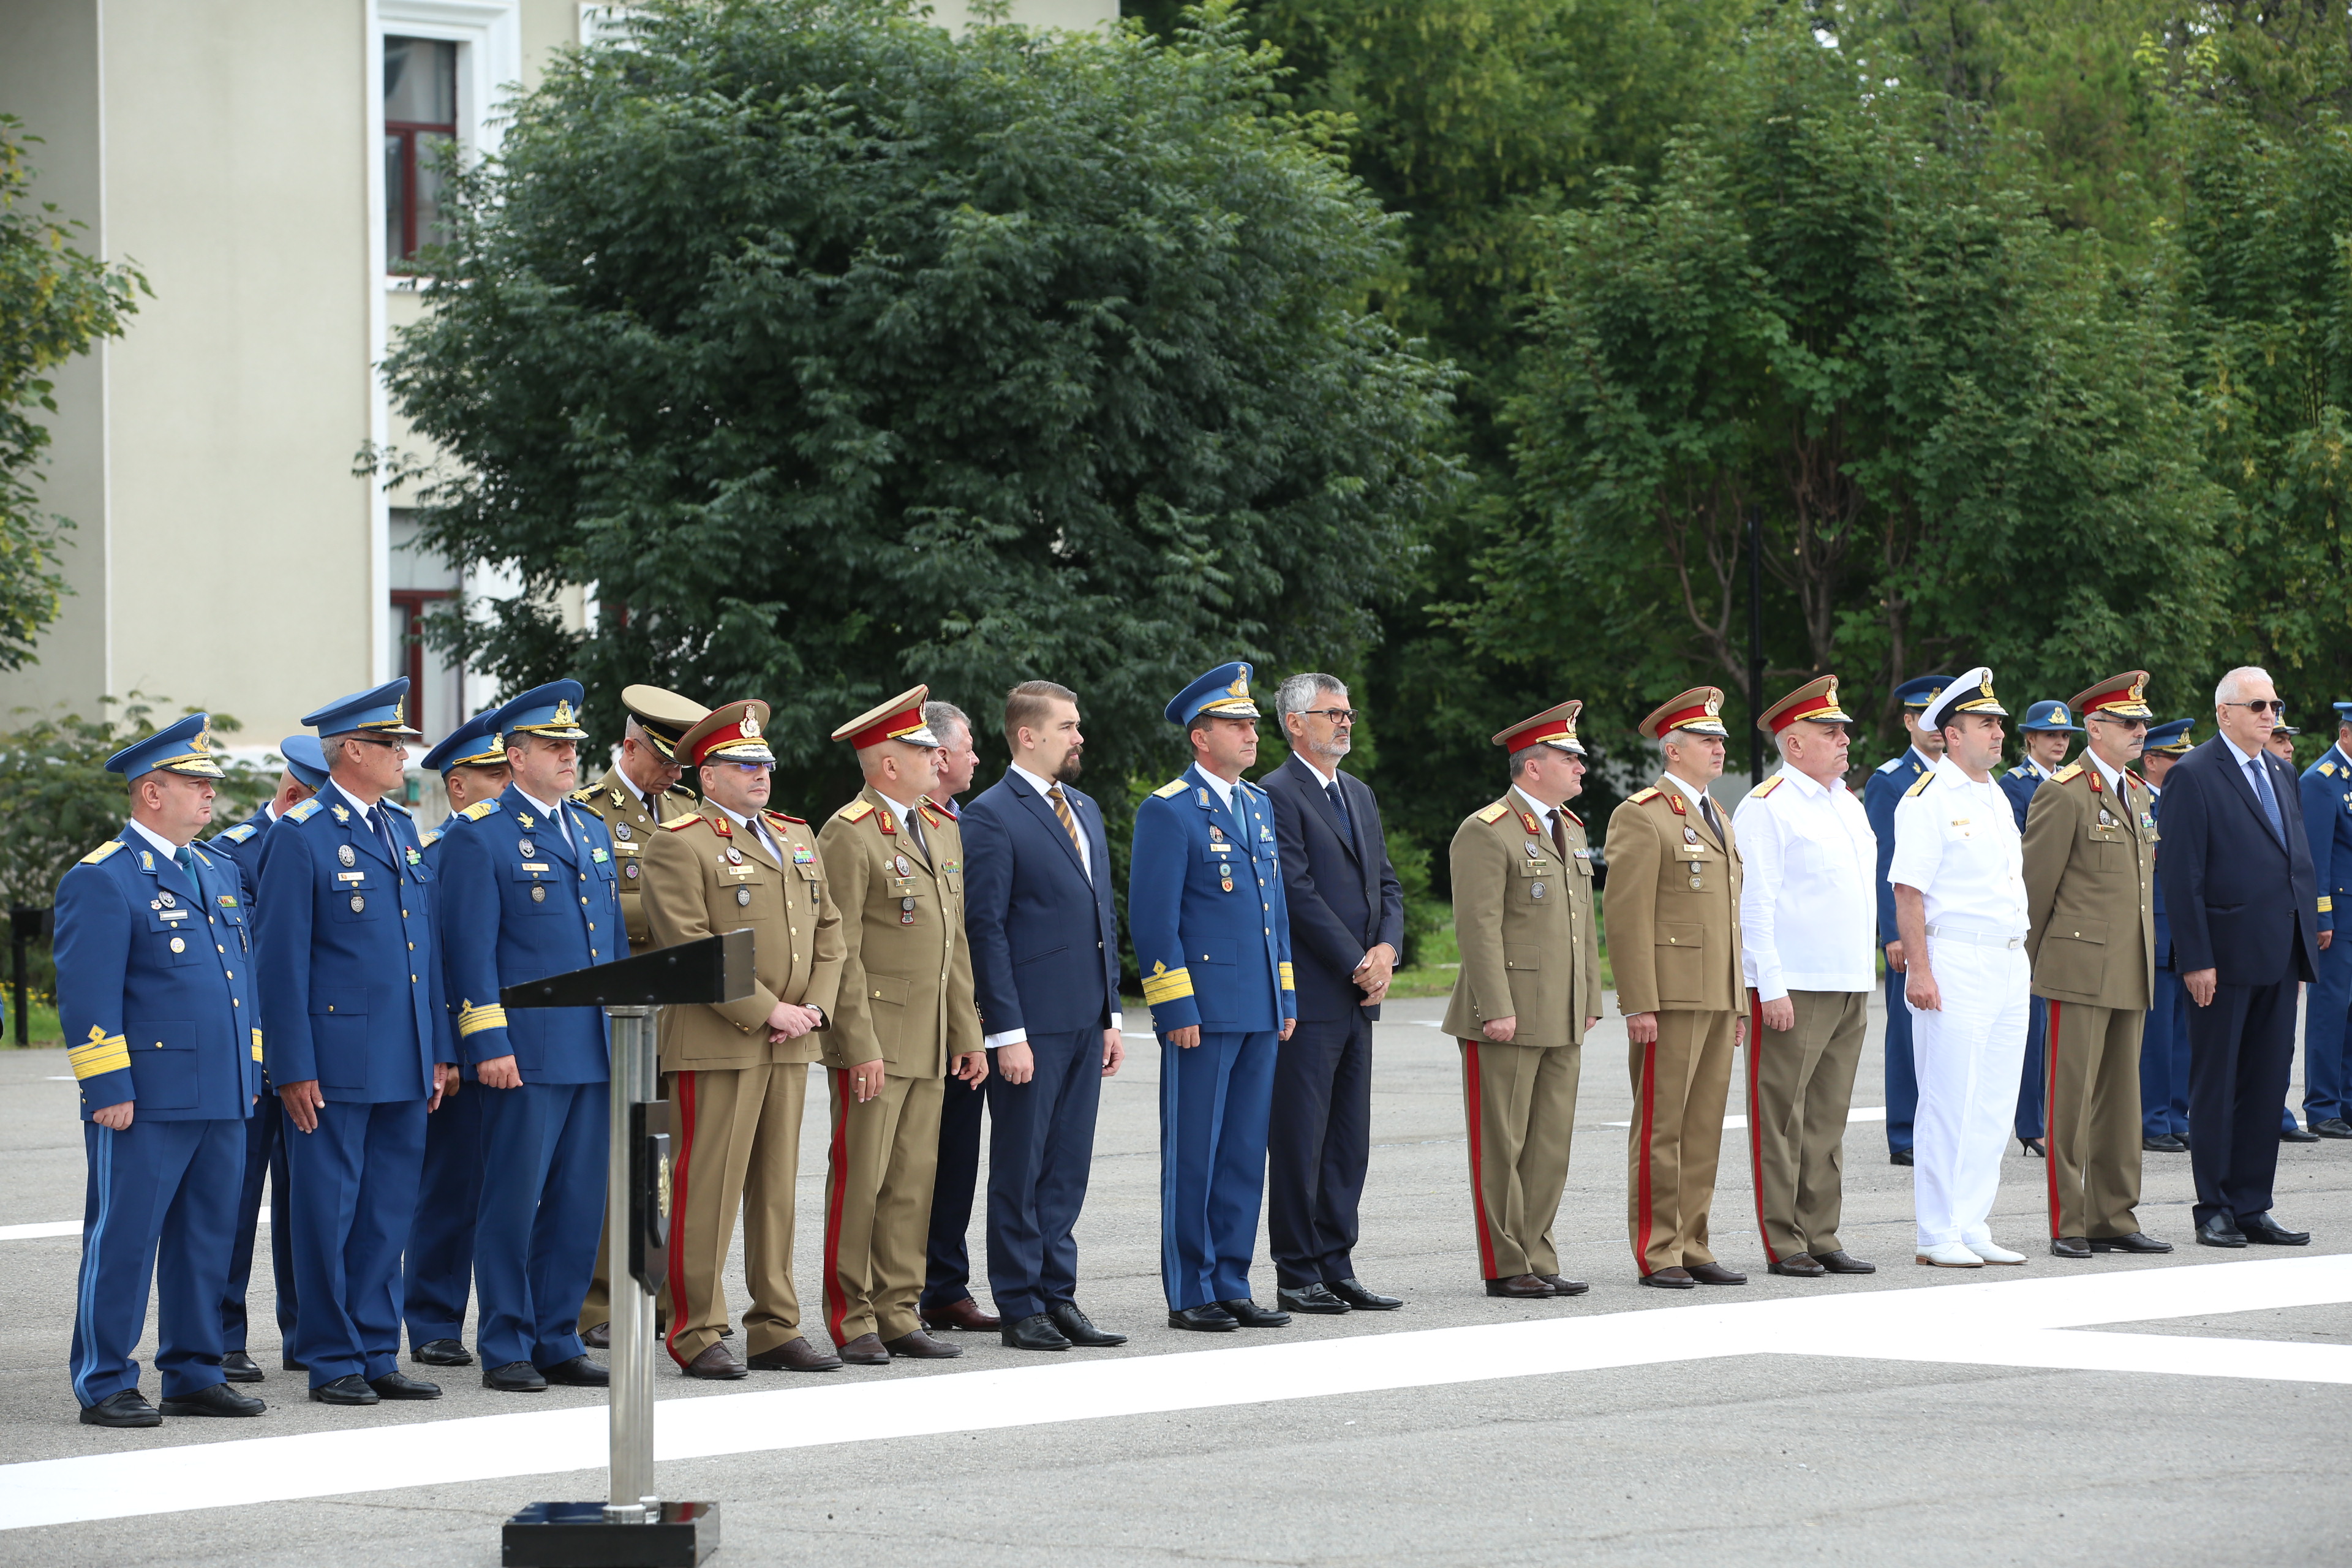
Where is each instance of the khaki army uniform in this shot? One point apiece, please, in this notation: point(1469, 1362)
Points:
point(2090, 889)
point(737, 1099)
point(905, 998)
point(1530, 951)
point(1672, 912)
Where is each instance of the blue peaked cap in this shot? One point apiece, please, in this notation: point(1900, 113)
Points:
point(552, 710)
point(382, 710)
point(181, 747)
point(476, 743)
point(305, 759)
point(2171, 737)
point(2048, 716)
point(1222, 693)
point(1920, 690)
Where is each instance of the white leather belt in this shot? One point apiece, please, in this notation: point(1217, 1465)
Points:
point(1982, 939)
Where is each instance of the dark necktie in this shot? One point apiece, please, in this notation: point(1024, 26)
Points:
point(2269, 800)
point(915, 831)
point(1706, 808)
point(187, 859)
point(1069, 823)
point(1339, 803)
point(1559, 835)
point(382, 831)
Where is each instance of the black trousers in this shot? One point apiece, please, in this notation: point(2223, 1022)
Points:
point(1317, 1144)
point(2241, 1051)
point(946, 1277)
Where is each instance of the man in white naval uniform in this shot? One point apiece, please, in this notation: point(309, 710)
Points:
point(1958, 872)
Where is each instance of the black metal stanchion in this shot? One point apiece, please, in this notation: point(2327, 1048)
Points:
point(26, 927)
point(635, 1526)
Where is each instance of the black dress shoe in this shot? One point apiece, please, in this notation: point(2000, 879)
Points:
point(1796, 1266)
point(1079, 1329)
point(220, 1399)
point(2298, 1136)
point(351, 1389)
point(1250, 1315)
point(1561, 1287)
point(2134, 1242)
point(1035, 1332)
point(442, 1353)
point(1318, 1300)
point(1843, 1262)
point(514, 1377)
point(1520, 1287)
point(1208, 1320)
point(126, 1407)
point(864, 1350)
point(2069, 1247)
point(400, 1385)
point(597, 1337)
point(2333, 1127)
point(917, 1345)
point(1674, 1278)
point(577, 1372)
point(1899, 1157)
point(1717, 1274)
point(2218, 1232)
point(2263, 1229)
point(2032, 1147)
point(2164, 1143)
point(238, 1367)
point(1361, 1298)
point(795, 1354)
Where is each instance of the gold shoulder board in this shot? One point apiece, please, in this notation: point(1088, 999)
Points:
point(1643, 797)
point(479, 809)
point(2068, 774)
point(681, 823)
point(1172, 787)
point(304, 812)
point(431, 836)
point(102, 852)
point(1495, 812)
point(1925, 780)
point(1768, 785)
point(855, 811)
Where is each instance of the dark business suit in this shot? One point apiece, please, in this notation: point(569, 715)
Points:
point(2018, 784)
point(2244, 901)
point(1044, 959)
point(947, 1271)
point(2164, 1047)
point(1344, 899)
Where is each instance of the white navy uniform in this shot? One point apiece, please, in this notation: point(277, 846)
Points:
point(1955, 840)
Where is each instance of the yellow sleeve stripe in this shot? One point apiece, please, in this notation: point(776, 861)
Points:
point(100, 1054)
point(1287, 983)
point(1170, 986)
point(2327, 904)
point(257, 1045)
point(473, 1020)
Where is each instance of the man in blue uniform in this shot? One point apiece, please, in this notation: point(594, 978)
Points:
point(356, 1038)
point(155, 990)
point(265, 1141)
point(1217, 974)
point(2164, 1047)
point(1888, 785)
point(2327, 821)
point(529, 888)
point(2042, 752)
point(437, 1269)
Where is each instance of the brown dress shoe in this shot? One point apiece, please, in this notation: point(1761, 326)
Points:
point(1561, 1287)
point(962, 1314)
point(1843, 1262)
point(718, 1362)
point(795, 1354)
point(598, 1338)
point(1797, 1266)
point(1675, 1278)
point(865, 1350)
point(1717, 1274)
point(1525, 1287)
point(920, 1346)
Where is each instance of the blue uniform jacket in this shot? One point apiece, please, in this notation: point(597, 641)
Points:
point(517, 903)
point(1207, 912)
point(1888, 784)
point(2326, 789)
point(349, 970)
point(155, 984)
point(2163, 926)
point(241, 847)
point(2018, 784)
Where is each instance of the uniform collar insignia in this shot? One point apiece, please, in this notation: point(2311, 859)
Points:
point(342, 815)
point(523, 817)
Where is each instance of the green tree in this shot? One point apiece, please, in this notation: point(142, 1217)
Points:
point(55, 302)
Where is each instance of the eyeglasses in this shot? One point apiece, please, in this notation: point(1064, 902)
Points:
point(2119, 719)
point(2273, 705)
point(1337, 715)
point(388, 744)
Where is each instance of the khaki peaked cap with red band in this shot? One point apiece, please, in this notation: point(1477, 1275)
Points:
point(2124, 696)
point(729, 734)
point(900, 718)
point(1554, 727)
point(1699, 710)
point(1816, 701)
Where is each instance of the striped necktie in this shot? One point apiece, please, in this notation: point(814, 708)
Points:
point(1069, 823)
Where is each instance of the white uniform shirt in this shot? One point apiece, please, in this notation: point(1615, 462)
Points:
point(1957, 841)
point(1808, 909)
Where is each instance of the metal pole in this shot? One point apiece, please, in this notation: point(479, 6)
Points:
point(1755, 647)
point(633, 1305)
point(17, 939)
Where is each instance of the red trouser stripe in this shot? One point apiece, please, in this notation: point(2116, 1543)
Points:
point(679, 1310)
point(2050, 1112)
point(1641, 1177)
point(836, 1300)
point(1756, 1118)
point(1471, 1106)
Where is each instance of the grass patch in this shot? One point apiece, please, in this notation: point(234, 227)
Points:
point(42, 1024)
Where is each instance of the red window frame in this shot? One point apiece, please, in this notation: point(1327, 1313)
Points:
point(409, 607)
point(407, 132)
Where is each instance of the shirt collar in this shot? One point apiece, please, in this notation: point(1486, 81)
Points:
point(621, 777)
point(1038, 782)
point(169, 851)
point(337, 786)
point(2114, 776)
point(1543, 813)
point(545, 810)
point(1801, 780)
point(2243, 757)
point(1695, 795)
point(1224, 791)
point(900, 807)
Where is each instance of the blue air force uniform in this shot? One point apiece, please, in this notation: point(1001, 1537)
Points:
point(2163, 1045)
point(1212, 933)
point(2019, 785)
point(529, 889)
point(2328, 819)
point(155, 993)
point(352, 1000)
point(1888, 785)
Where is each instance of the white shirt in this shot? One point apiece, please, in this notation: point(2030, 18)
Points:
point(164, 846)
point(1957, 841)
point(758, 828)
point(2250, 763)
point(552, 815)
point(1808, 905)
point(1085, 859)
point(1691, 790)
point(2111, 777)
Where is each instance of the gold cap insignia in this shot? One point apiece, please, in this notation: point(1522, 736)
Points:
point(1714, 706)
point(1240, 688)
point(750, 726)
point(562, 710)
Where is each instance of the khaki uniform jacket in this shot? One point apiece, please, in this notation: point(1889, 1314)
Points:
point(616, 805)
point(1673, 905)
point(906, 990)
point(1531, 947)
point(2090, 890)
point(704, 875)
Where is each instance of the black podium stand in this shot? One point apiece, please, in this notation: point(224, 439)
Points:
point(635, 1526)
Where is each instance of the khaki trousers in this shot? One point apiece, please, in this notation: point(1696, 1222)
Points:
point(1800, 1088)
point(1680, 1080)
point(738, 1144)
point(1519, 1103)
point(2091, 1060)
point(877, 1204)
point(598, 1306)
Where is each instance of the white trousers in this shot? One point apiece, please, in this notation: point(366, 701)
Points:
point(1970, 1056)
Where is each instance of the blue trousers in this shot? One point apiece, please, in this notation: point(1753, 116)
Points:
point(1214, 1099)
point(438, 1272)
point(264, 1155)
point(2327, 1009)
point(2164, 1060)
point(2028, 1121)
point(1902, 1078)
point(947, 1276)
point(354, 1181)
point(543, 1160)
point(1316, 1150)
point(2240, 1048)
point(159, 1208)
point(1041, 1149)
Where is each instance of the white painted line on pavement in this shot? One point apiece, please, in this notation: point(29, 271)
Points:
point(70, 1227)
point(2015, 1322)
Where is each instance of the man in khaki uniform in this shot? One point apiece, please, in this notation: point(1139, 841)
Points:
point(739, 1070)
point(1528, 990)
point(895, 863)
point(636, 794)
point(2090, 900)
point(1673, 909)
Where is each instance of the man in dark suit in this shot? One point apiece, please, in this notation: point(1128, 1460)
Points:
point(1347, 931)
point(2244, 905)
point(1045, 960)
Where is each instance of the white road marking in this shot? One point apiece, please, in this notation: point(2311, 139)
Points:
point(70, 1227)
point(2014, 1322)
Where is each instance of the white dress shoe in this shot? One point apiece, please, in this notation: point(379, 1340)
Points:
point(1993, 1254)
point(1949, 1255)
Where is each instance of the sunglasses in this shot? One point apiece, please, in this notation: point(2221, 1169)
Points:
point(2274, 705)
